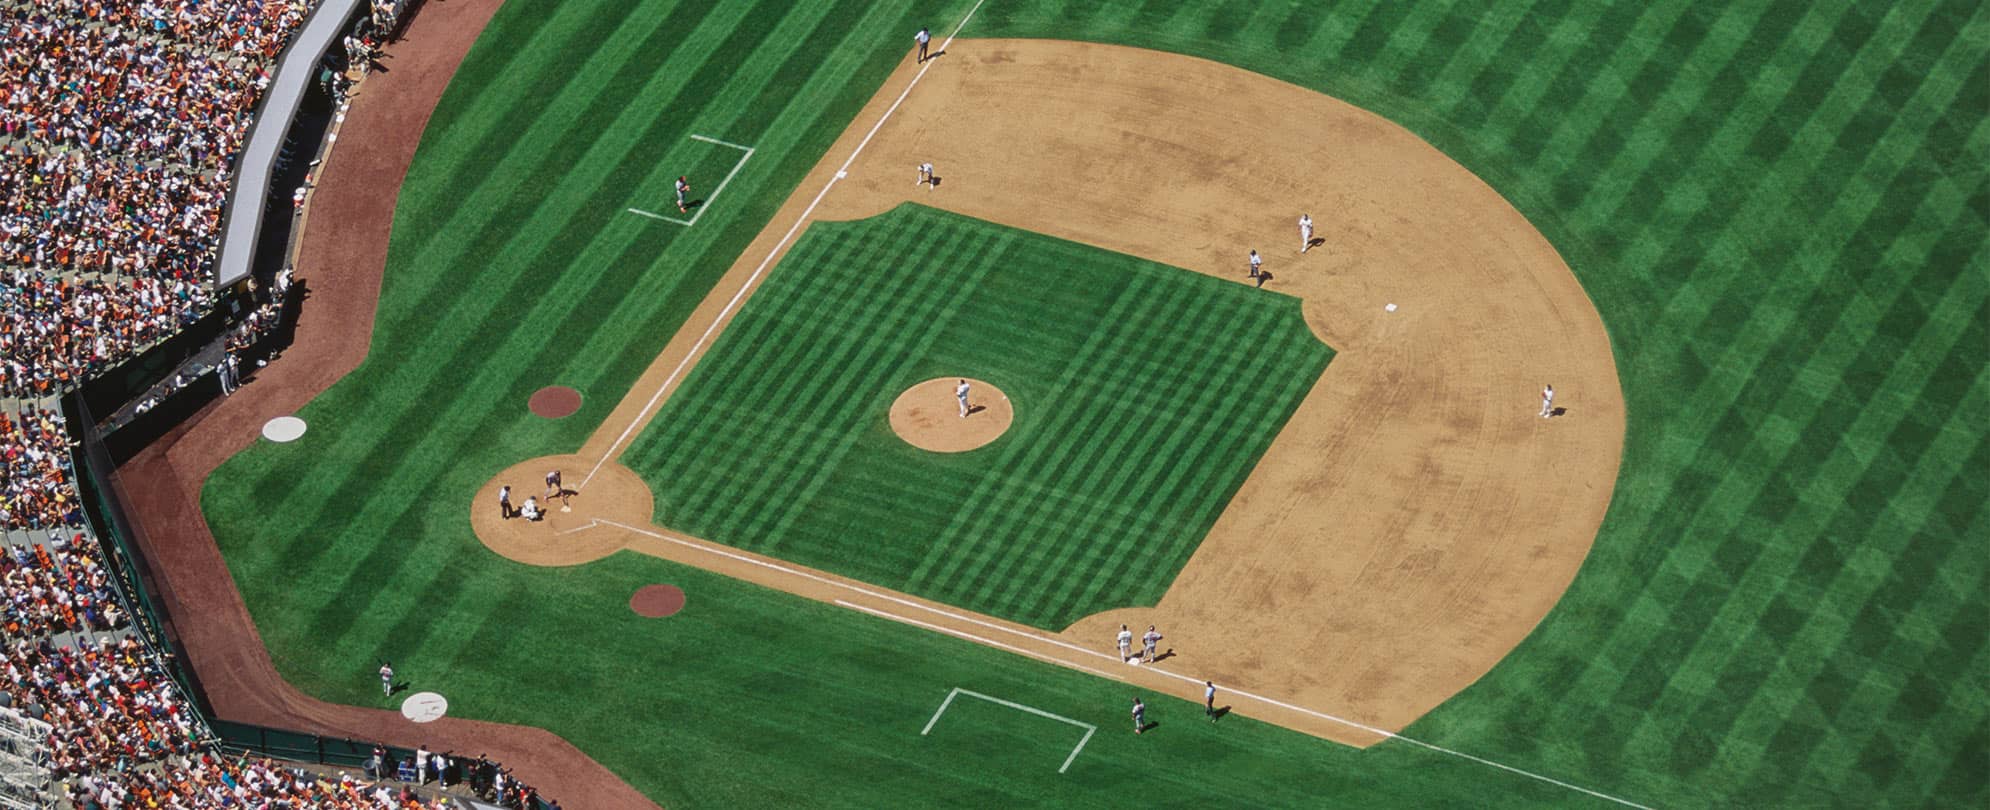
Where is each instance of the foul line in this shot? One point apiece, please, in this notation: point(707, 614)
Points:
point(841, 172)
point(741, 164)
point(1088, 727)
point(1383, 733)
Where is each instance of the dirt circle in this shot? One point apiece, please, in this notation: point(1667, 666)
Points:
point(554, 401)
point(927, 415)
point(657, 601)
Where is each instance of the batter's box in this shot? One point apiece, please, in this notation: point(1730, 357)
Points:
point(698, 203)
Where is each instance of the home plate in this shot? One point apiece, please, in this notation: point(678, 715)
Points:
point(424, 707)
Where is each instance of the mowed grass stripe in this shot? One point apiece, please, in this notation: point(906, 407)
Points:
point(751, 343)
point(1942, 335)
point(974, 535)
point(874, 371)
point(1179, 494)
point(1190, 402)
point(847, 309)
point(1724, 507)
point(1049, 545)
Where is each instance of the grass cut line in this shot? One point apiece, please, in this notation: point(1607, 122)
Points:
point(841, 172)
point(1070, 665)
point(1088, 727)
point(721, 187)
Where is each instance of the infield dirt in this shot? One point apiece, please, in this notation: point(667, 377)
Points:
point(1416, 517)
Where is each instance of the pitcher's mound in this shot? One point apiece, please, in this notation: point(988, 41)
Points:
point(927, 415)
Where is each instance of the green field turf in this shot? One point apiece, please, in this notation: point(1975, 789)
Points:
point(1143, 395)
point(1780, 209)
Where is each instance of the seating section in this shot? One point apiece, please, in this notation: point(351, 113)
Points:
point(37, 488)
point(122, 123)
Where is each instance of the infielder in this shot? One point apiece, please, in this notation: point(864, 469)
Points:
point(1257, 262)
point(1305, 232)
point(925, 176)
point(683, 190)
point(1547, 401)
point(1126, 646)
point(1148, 642)
point(960, 393)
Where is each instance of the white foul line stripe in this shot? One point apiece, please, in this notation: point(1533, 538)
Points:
point(799, 221)
point(1088, 727)
point(1075, 648)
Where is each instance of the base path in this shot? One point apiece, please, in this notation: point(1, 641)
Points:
point(340, 265)
point(1416, 517)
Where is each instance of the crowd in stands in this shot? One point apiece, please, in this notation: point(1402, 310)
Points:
point(212, 780)
point(59, 587)
point(122, 121)
point(37, 488)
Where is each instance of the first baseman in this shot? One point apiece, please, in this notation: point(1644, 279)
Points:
point(1125, 644)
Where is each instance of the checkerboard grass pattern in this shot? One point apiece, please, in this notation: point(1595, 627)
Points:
point(1143, 395)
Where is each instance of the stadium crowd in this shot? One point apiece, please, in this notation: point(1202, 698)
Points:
point(122, 122)
point(37, 488)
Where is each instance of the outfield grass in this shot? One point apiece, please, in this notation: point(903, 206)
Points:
point(1773, 205)
point(1143, 396)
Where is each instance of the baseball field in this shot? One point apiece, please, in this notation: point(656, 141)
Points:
point(1742, 566)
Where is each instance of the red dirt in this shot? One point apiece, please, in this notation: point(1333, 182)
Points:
point(343, 256)
point(554, 401)
point(657, 601)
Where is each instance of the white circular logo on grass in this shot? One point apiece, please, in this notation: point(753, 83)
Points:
point(424, 707)
point(283, 429)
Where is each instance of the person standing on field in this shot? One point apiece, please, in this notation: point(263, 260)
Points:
point(1305, 232)
point(386, 679)
point(1209, 700)
point(1148, 642)
point(1139, 717)
point(1257, 263)
point(1125, 643)
point(553, 487)
point(1547, 401)
point(923, 37)
point(504, 502)
point(960, 393)
point(683, 192)
point(926, 176)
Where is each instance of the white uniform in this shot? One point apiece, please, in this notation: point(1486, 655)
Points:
point(960, 393)
point(1305, 232)
point(926, 175)
point(1125, 643)
point(1256, 261)
point(1547, 402)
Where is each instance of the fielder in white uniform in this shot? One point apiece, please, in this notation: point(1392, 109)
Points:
point(1125, 643)
point(1547, 401)
point(926, 176)
point(1305, 232)
point(1256, 262)
point(960, 393)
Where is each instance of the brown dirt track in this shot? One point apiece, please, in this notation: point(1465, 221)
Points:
point(343, 256)
point(1414, 520)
